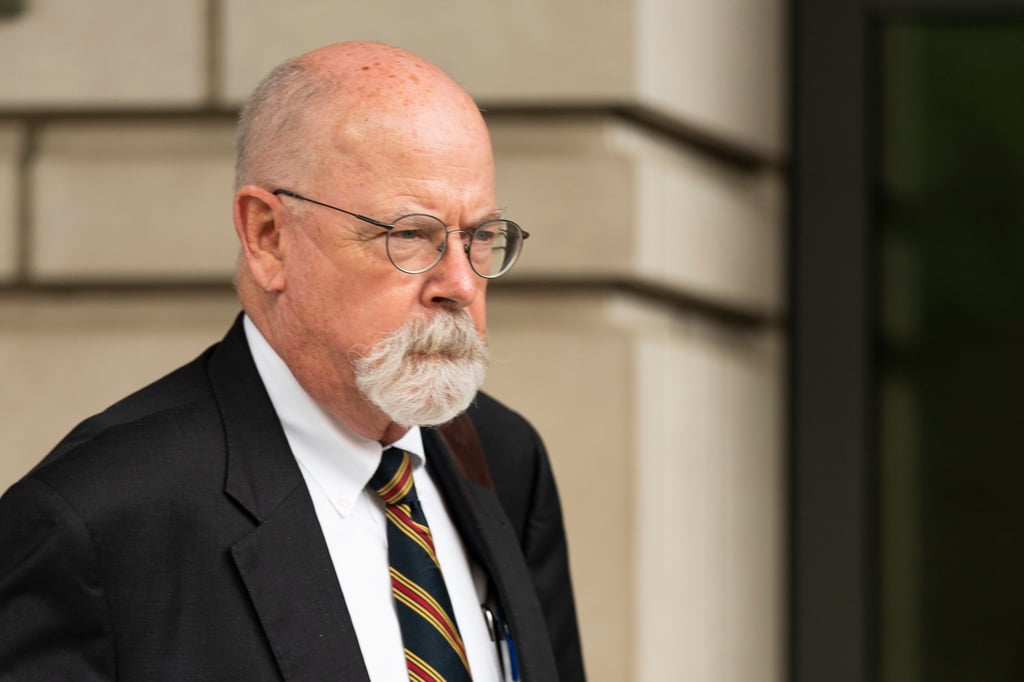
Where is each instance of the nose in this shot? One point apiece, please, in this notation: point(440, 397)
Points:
point(452, 281)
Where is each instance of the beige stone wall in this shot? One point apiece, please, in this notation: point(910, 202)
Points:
point(639, 141)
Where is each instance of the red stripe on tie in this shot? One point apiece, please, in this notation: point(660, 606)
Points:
point(397, 488)
point(406, 474)
point(416, 528)
point(440, 617)
point(420, 673)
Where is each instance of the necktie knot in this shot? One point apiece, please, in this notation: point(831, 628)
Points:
point(393, 478)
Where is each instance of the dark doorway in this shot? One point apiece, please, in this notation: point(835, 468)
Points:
point(908, 333)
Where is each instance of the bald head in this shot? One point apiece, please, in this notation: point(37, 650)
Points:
point(378, 74)
point(347, 99)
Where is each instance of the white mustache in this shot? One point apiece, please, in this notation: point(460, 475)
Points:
point(451, 335)
point(425, 372)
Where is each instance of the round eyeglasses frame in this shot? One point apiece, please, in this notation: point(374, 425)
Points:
point(519, 235)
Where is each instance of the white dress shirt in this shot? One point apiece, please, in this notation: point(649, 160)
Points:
point(337, 464)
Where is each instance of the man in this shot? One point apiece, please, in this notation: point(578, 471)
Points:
point(222, 523)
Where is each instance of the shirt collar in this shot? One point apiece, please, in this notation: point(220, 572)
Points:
point(340, 460)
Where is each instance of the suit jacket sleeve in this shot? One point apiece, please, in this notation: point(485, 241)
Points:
point(53, 614)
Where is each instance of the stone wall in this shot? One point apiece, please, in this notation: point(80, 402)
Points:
point(639, 141)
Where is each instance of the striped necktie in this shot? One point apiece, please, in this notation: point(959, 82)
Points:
point(434, 651)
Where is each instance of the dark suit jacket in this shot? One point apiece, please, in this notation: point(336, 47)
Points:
point(172, 537)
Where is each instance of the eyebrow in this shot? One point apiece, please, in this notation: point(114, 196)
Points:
point(496, 214)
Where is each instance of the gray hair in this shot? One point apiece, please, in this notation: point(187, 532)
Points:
point(271, 123)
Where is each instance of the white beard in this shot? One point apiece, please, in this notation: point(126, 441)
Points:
point(426, 372)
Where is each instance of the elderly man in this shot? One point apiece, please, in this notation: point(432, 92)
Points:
point(283, 507)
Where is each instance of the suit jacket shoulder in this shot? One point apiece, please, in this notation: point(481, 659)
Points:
point(171, 538)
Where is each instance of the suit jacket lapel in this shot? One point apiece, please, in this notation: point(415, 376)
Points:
point(490, 538)
point(284, 562)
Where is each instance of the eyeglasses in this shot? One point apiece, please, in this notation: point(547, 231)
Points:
point(415, 243)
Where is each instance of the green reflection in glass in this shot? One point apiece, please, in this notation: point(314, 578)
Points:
point(950, 341)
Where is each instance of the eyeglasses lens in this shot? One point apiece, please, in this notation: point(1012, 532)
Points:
point(416, 243)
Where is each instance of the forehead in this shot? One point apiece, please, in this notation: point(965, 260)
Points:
point(397, 129)
point(409, 170)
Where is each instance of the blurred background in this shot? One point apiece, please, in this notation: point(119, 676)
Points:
point(767, 322)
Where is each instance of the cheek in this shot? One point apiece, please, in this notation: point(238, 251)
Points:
point(478, 311)
point(383, 305)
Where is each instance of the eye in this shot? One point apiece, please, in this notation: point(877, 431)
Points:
point(485, 235)
point(408, 233)
point(416, 228)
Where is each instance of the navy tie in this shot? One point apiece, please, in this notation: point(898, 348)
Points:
point(434, 651)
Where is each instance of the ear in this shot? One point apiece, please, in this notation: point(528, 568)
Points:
point(259, 222)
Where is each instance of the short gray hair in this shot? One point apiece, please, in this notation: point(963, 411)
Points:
point(271, 123)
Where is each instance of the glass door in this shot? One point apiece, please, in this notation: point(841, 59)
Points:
point(950, 348)
point(907, 341)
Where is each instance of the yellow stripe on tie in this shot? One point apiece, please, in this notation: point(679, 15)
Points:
point(435, 676)
point(438, 618)
point(403, 477)
point(434, 648)
point(410, 531)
